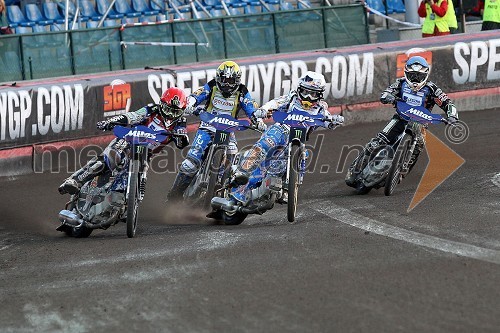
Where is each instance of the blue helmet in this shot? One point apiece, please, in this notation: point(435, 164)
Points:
point(417, 72)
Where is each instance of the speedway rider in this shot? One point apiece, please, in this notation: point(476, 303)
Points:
point(309, 98)
point(223, 95)
point(167, 115)
point(416, 90)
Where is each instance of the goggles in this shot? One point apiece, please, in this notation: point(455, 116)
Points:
point(169, 111)
point(310, 95)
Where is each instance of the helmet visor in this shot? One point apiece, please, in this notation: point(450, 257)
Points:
point(170, 112)
point(416, 77)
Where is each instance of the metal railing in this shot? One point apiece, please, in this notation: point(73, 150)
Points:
point(52, 54)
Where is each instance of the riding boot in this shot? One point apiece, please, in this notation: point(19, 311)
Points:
point(73, 183)
point(180, 184)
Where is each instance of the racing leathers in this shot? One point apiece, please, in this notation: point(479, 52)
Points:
point(272, 145)
point(428, 96)
point(115, 155)
point(216, 103)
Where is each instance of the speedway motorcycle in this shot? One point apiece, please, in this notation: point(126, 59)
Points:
point(389, 164)
point(217, 162)
point(114, 196)
point(285, 171)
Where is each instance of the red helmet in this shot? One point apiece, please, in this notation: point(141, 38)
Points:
point(172, 103)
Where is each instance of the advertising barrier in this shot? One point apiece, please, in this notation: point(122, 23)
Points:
point(463, 65)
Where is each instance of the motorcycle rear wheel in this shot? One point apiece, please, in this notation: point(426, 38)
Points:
point(234, 219)
point(394, 175)
point(133, 199)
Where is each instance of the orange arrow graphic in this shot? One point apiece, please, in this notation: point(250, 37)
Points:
point(443, 162)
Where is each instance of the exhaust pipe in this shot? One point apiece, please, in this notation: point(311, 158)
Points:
point(69, 218)
point(218, 203)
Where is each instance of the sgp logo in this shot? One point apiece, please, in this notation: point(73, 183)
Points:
point(401, 59)
point(117, 95)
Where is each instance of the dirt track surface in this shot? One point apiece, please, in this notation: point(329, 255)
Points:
point(349, 264)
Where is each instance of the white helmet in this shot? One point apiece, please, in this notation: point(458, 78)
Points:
point(311, 88)
point(417, 72)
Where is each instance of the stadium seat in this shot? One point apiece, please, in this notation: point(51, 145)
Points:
point(396, 6)
point(87, 9)
point(34, 14)
point(304, 4)
point(110, 23)
point(378, 5)
point(274, 5)
point(23, 30)
point(211, 3)
point(16, 17)
point(238, 7)
point(122, 7)
point(143, 7)
point(71, 11)
point(253, 7)
point(102, 7)
point(159, 5)
point(284, 5)
point(218, 11)
point(51, 12)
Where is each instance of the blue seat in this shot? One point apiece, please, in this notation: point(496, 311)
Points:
point(102, 7)
point(238, 6)
point(51, 12)
point(34, 14)
point(71, 11)
point(284, 5)
point(110, 23)
point(92, 24)
point(211, 3)
point(376, 4)
point(16, 17)
point(274, 5)
point(143, 7)
point(122, 7)
point(88, 10)
point(23, 30)
point(253, 7)
point(218, 11)
point(397, 6)
point(159, 5)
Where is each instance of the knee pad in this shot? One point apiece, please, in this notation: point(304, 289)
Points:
point(189, 166)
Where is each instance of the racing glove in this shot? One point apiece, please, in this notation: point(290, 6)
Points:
point(190, 108)
point(181, 138)
point(258, 123)
point(107, 125)
point(387, 98)
point(334, 120)
point(262, 113)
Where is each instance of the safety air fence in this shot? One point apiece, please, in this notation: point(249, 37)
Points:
point(40, 115)
point(43, 55)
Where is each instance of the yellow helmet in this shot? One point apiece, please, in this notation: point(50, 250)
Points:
point(228, 77)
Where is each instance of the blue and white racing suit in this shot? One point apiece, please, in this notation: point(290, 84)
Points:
point(215, 103)
point(428, 96)
point(272, 146)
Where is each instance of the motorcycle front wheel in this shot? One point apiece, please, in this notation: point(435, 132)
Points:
point(133, 198)
point(394, 175)
point(293, 181)
point(213, 175)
